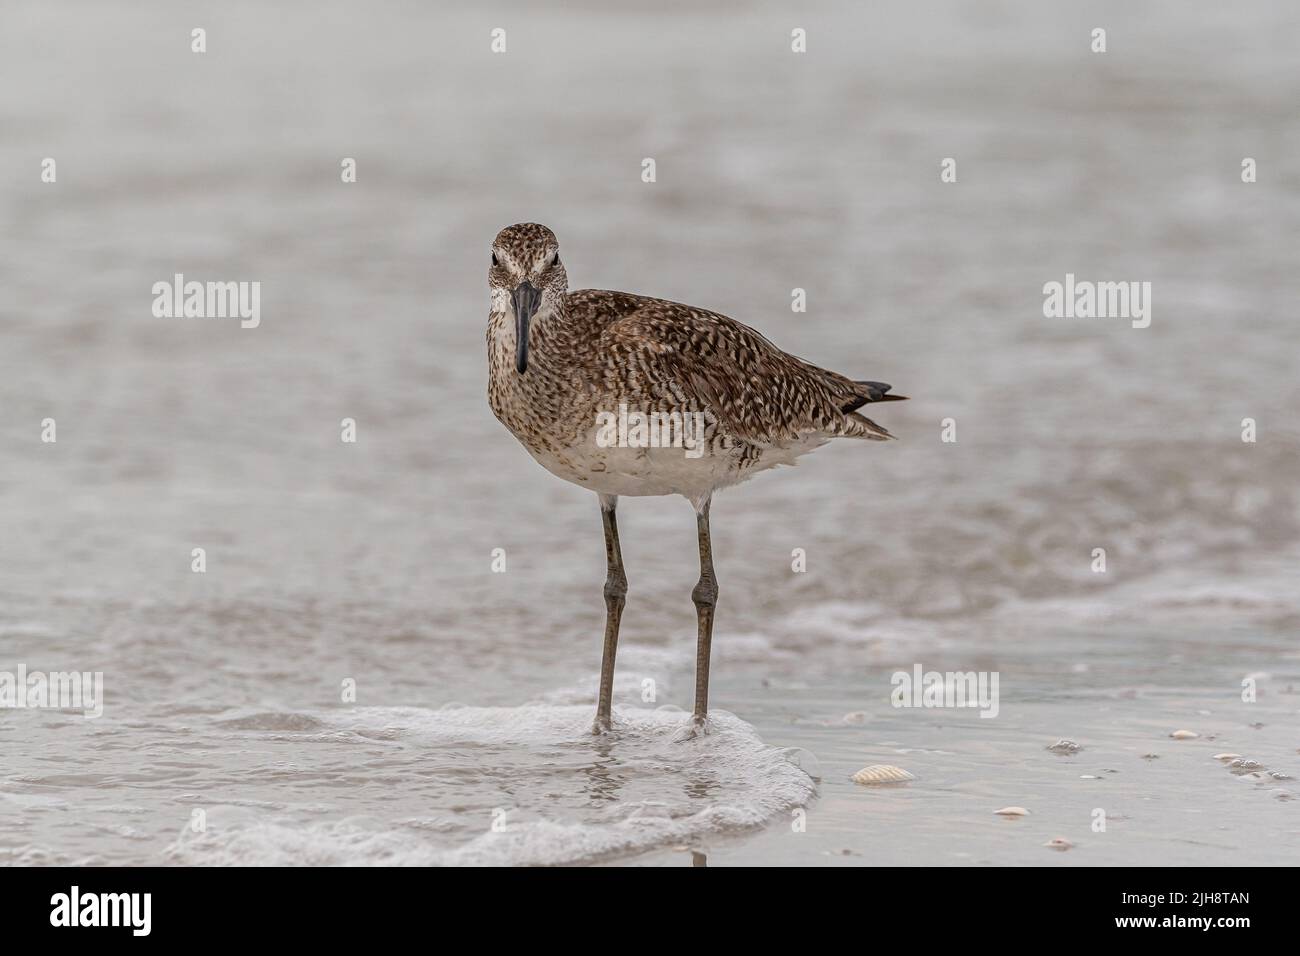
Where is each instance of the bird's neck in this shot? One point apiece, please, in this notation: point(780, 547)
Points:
point(550, 338)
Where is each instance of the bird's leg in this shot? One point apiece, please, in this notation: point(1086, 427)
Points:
point(615, 594)
point(705, 597)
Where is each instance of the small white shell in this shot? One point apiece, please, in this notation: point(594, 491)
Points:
point(879, 773)
point(1226, 757)
point(1064, 746)
point(1059, 843)
point(1012, 812)
point(1184, 734)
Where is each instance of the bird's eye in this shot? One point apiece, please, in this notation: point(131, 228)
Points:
point(495, 261)
point(551, 260)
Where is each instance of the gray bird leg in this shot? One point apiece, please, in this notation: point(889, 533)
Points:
point(705, 597)
point(615, 594)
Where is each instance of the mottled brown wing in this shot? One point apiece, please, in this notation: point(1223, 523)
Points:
point(696, 360)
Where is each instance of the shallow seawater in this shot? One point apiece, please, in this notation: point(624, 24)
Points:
point(350, 681)
point(447, 784)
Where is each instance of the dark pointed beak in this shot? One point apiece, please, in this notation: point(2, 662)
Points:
point(526, 298)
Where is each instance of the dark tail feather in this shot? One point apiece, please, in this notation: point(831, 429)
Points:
point(872, 392)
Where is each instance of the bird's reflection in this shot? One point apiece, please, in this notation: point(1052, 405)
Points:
point(603, 783)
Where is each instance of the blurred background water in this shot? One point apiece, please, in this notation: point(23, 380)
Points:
point(372, 561)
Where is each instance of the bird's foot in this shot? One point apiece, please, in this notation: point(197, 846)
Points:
point(697, 726)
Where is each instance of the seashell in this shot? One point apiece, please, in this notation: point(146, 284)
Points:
point(1064, 746)
point(1059, 843)
point(1012, 812)
point(1226, 757)
point(1184, 734)
point(1246, 764)
point(882, 773)
point(1088, 776)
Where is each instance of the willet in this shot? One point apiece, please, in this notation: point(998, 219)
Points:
point(629, 395)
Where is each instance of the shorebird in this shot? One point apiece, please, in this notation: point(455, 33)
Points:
point(628, 395)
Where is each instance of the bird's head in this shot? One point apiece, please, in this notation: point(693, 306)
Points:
point(526, 277)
